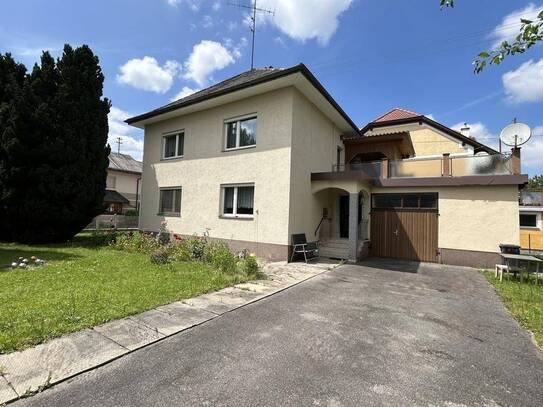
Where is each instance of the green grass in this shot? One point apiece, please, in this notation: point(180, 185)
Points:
point(83, 285)
point(524, 301)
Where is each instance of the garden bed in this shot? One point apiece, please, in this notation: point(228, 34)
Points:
point(87, 282)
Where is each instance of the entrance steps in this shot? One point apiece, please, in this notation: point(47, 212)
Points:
point(334, 248)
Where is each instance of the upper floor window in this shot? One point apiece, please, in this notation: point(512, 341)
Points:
point(111, 181)
point(528, 220)
point(173, 145)
point(240, 133)
point(238, 201)
point(170, 201)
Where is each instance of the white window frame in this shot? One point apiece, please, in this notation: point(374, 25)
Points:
point(171, 214)
point(238, 128)
point(234, 214)
point(536, 227)
point(176, 133)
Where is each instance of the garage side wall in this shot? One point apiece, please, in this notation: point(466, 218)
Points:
point(473, 221)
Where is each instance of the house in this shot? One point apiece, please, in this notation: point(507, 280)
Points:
point(531, 220)
point(269, 153)
point(122, 184)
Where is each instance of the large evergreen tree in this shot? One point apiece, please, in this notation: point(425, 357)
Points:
point(53, 153)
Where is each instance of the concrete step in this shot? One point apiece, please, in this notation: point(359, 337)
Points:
point(333, 252)
point(334, 246)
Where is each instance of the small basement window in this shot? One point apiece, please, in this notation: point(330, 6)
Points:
point(173, 145)
point(240, 133)
point(528, 220)
point(170, 201)
point(237, 201)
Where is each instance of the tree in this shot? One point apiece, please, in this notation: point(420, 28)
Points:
point(53, 152)
point(535, 183)
point(530, 33)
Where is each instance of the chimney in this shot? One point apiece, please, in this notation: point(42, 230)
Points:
point(465, 131)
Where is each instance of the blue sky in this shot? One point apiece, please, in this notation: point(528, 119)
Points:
point(370, 55)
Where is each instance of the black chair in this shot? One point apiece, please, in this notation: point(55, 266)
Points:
point(301, 246)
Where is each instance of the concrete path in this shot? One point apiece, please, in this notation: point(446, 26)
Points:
point(32, 370)
point(406, 335)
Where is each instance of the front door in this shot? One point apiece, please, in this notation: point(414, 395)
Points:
point(344, 216)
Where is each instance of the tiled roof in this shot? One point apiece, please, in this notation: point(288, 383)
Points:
point(114, 197)
point(237, 80)
point(396, 114)
point(124, 162)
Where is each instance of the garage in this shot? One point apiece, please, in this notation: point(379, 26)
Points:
point(405, 226)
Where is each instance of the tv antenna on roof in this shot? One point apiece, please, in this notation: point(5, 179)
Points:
point(515, 134)
point(252, 27)
point(119, 142)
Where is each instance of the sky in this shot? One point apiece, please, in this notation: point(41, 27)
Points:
point(370, 55)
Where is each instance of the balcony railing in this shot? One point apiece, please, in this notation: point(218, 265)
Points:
point(446, 166)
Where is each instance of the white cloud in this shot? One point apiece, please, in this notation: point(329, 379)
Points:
point(131, 137)
point(194, 5)
point(532, 152)
point(147, 74)
point(207, 21)
point(525, 84)
point(186, 91)
point(232, 25)
point(480, 132)
point(305, 19)
point(431, 117)
point(206, 58)
point(510, 25)
point(216, 5)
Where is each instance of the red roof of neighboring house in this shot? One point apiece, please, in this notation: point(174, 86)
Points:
point(396, 114)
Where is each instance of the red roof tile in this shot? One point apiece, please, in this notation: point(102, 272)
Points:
point(396, 114)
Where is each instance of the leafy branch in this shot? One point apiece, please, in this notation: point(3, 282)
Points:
point(531, 32)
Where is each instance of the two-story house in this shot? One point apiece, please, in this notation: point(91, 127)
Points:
point(269, 153)
point(122, 183)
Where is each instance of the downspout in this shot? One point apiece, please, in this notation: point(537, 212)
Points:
point(137, 193)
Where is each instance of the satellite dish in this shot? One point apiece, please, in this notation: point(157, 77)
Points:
point(515, 134)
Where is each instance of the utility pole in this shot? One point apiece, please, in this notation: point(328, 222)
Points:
point(119, 142)
point(254, 10)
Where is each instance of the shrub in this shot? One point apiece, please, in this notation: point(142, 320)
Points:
point(249, 265)
point(131, 212)
point(135, 242)
point(160, 256)
point(195, 247)
point(220, 256)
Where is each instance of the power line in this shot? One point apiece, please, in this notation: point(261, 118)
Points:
point(254, 9)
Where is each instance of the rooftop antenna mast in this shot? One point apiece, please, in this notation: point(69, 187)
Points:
point(119, 142)
point(254, 9)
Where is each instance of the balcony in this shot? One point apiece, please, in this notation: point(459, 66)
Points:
point(496, 169)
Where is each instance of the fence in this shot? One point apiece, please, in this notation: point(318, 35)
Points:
point(104, 222)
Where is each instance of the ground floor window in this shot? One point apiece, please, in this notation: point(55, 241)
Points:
point(528, 220)
point(170, 201)
point(407, 201)
point(237, 200)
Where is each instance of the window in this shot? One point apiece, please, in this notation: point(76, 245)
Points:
point(528, 220)
point(240, 133)
point(404, 201)
point(173, 145)
point(238, 201)
point(111, 181)
point(170, 201)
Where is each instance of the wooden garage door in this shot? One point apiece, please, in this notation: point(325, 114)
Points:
point(405, 233)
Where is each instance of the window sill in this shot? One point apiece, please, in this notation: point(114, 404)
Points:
point(237, 217)
point(238, 148)
point(179, 157)
point(530, 227)
point(169, 215)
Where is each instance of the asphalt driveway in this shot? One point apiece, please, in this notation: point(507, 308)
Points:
point(359, 335)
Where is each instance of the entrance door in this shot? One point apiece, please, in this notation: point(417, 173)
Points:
point(344, 216)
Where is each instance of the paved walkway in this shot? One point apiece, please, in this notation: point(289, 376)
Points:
point(29, 371)
point(378, 334)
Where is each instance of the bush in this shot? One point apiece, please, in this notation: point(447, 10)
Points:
point(220, 256)
point(135, 242)
point(249, 265)
point(160, 256)
point(131, 212)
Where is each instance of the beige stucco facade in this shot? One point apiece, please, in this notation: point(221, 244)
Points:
point(125, 183)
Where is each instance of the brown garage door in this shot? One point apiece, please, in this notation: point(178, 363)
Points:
point(401, 230)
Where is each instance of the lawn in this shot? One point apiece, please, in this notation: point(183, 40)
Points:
point(524, 301)
point(83, 285)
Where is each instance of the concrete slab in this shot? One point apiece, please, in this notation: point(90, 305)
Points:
point(6, 392)
point(60, 358)
point(188, 316)
point(168, 323)
point(257, 288)
point(128, 333)
point(219, 302)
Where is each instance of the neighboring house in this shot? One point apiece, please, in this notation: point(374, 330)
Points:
point(531, 220)
point(122, 183)
point(270, 153)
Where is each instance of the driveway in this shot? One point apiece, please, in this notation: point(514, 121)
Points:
point(373, 334)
